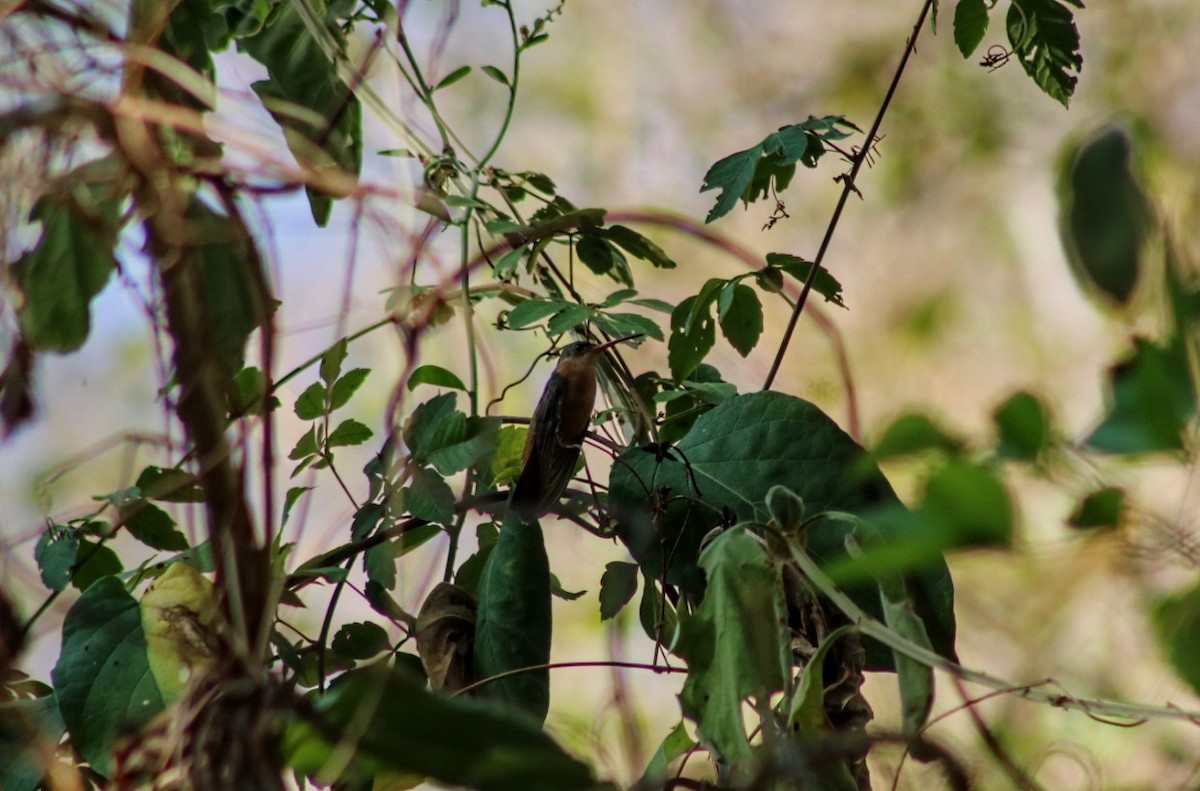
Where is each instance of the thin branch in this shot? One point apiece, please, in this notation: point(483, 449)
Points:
point(848, 186)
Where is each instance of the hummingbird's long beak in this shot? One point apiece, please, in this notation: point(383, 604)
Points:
point(607, 344)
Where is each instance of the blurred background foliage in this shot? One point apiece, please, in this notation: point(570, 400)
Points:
point(958, 291)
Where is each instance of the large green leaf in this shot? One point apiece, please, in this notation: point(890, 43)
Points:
point(402, 727)
point(303, 78)
point(103, 680)
point(513, 630)
point(74, 258)
point(1105, 215)
point(731, 657)
point(724, 468)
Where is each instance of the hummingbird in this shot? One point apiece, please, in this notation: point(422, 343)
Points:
point(558, 427)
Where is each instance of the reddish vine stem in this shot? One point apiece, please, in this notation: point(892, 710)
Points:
point(848, 186)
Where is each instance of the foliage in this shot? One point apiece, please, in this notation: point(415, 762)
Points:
point(774, 557)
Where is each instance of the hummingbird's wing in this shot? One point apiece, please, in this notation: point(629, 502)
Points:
point(549, 459)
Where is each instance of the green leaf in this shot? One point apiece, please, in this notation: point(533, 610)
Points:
point(602, 257)
point(655, 612)
point(290, 500)
point(1046, 43)
point(320, 116)
point(421, 429)
point(915, 680)
point(346, 387)
point(731, 175)
point(1101, 508)
point(169, 485)
point(806, 714)
point(676, 744)
point(234, 300)
point(349, 432)
point(366, 519)
point(403, 727)
point(514, 623)
point(653, 304)
point(248, 394)
point(430, 497)
point(617, 297)
point(462, 441)
point(306, 446)
point(468, 575)
point(1177, 625)
point(531, 311)
point(785, 507)
point(441, 435)
point(312, 404)
point(825, 284)
point(508, 458)
point(361, 640)
point(496, 75)
point(970, 503)
point(730, 459)
point(74, 257)
point(154, 527)
point(94, 562)
point(622, 324)
point(380, 564)
point(452, 77)
point(913, 433)
point(569, 319)
point(102, 679)
point(769, 280)
point(509, 261)
point(434, 375)
point(740, 314)
point(559, 592)
point(702, 389)
point(30, 725)
point(1105, 215)
point(617, 586)
point(970, 24)
point(1023, 424)
point(416, 537)
point(1153, 401)
point(735, 644)
point(688, 348)
point(639, 246)
point(55, 554)
point(194, 31)
point(768, 167)
point(331, 361)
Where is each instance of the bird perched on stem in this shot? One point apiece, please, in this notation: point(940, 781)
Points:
point(558, 427)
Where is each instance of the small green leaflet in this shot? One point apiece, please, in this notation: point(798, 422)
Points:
point(970, 24)
point(768, 167)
